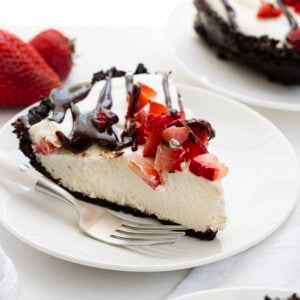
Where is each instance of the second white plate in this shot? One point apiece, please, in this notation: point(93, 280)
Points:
point(226, 77)
point(260, 192)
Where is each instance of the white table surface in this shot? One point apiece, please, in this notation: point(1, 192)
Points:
point(45, 277)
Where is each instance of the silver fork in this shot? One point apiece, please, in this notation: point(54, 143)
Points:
point(93, 220)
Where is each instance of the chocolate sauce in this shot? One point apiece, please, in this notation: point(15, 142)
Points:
point(105, 99)
point(129, 135)
point(85, 129)
point(62, 98)
point(95, 127)
point(292, 21)
point(166, 89)
point(231, 14)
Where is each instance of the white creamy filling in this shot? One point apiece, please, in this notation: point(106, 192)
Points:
point(182, 198)
point(249, 24)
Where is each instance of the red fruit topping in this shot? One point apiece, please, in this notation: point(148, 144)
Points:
point(44, 147)
point(145, 95)
point(175, 135)
point(208, 166)
point(157, 108)
point(157, 123)
point(140, 133)
point(294, 38)
point(24, 75)
point(105, 118)
point(168, 159)
point(297, 7)
point(193, 147)
point(294, 3)
point(147, 90)
point(56, 50)
point(268, 10)
point(152, 141)
point(144, 170)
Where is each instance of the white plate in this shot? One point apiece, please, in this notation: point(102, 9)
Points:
point(229, 78)
point(260, 191)
point(237, 294)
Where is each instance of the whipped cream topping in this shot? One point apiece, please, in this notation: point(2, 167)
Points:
point(249, 24)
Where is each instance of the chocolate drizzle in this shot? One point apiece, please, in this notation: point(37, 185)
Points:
point(105, 99)
point(85, 129)
point(292, 21)
point(231, 14)
point(62, 98)
point(95, 127)
point(165, 83)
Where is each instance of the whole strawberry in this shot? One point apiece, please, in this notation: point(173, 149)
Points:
point(24, 75)
point(56, 49)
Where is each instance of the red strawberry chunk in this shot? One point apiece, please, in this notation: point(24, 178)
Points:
point(208, 166)
point(144, 170)
point(106, 118)
point(268, 10)
point(147, 90)
point(44, 147)
point(193, 147)
point(168, 159)
point(175, 134)
point(140, 133)
point(152, 141)
point(297, 7)
point(158, 108)
point(294, 38)
point(157, 123)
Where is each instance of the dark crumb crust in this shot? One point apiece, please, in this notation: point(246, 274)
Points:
point(40, 112)
point(280, 64)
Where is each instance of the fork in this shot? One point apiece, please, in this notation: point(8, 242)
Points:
point(93, 220)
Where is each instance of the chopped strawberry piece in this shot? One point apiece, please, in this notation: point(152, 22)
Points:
point(144, 170)
point(268, 10)
point(208, 166)
point(168, 159)
point(294, 38)
point(140, 133)
point(297, 7)
point(201, 135)
point(106, 118)
point(142, 114)
point(176, 134)
point(147, 90)
point(158, 108)
point(157, 123)
point(44, 147)
point(152, 141)
point(193, 147)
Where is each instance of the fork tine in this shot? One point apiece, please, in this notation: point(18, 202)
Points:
point(139, 241)
point(141, 236)
point(141, 232)
point(145, 226)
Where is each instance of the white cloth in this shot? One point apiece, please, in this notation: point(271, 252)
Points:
point(9, 289)
point(274, 263)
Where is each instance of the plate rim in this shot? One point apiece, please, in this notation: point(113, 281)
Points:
point(171, 266)
point(255, 101)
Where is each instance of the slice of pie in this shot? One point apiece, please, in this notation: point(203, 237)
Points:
point(264, 35)
point(125, 141)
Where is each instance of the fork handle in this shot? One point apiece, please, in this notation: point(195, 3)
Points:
point(17, 172)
